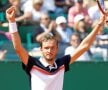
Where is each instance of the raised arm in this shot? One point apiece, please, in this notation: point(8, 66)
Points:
point(22, 53)
point(87, 42)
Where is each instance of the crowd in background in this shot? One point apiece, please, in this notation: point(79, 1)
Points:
point(69, 20)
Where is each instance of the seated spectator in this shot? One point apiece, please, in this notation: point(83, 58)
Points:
point(62, 6)
point(80, 26)
point(46, 26)
point(16, 4)
point(4, 6)
point(102, 37)
point(64, 32)
point(93, 11)
point(68, 4)
point(100, 45)
point(74, 43)
point(99, 52)
point(62, 29)
point(24, 3)
point(32, 13)
point(50, 7)
point(78, 9)
point(59, 7)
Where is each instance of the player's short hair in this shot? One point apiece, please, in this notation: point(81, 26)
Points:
point(48, 37)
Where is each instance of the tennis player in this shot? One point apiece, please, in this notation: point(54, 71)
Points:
point(47, 72)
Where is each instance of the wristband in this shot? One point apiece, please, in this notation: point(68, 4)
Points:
point(12, 27)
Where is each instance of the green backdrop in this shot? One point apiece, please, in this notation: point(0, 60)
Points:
point(82, 76)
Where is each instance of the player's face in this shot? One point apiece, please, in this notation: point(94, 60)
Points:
point(49, 49)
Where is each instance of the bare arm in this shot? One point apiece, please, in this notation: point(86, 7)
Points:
point(25, 16)
point(87, 42)
point(22, 53)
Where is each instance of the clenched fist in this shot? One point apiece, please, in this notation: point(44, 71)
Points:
point(10, 14)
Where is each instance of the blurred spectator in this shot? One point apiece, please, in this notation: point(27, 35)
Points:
point(68, 4)
point(87, 3)
point(99, 52)
point(49, 5)
point(64, 33)
point(46, 26)
point(3, 6)
point(100, 45)
point(62, 29)
point(78, 9)
point(80, 26)
point(74, 43)
point(93, 11)
point(59, 7)
point(16, 4)
point(32, 11)
point(25, 4)
point(19, 13)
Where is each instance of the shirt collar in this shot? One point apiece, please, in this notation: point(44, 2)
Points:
point(47, 64)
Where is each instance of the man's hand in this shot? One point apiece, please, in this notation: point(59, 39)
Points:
point(10, 14)
point(52, 26)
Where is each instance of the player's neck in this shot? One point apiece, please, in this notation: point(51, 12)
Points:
point(50, 61)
